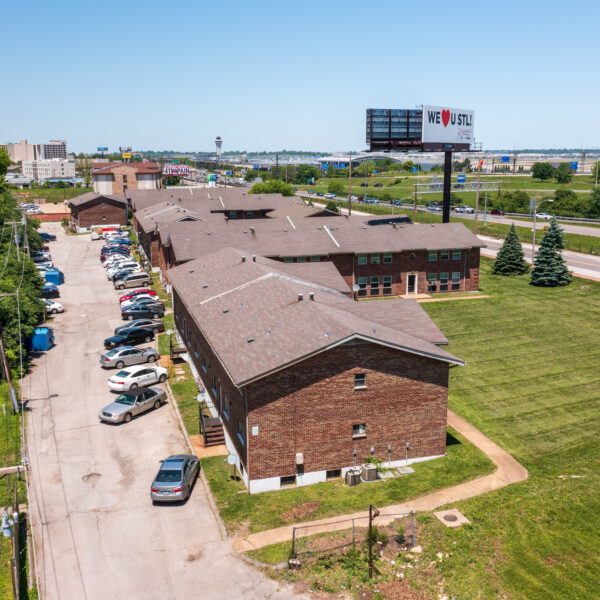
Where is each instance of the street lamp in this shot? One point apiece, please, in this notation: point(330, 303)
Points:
point(534, 222)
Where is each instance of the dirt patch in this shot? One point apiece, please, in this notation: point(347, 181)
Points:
point(398, 590)
point(331, 543)
point(243, 530)
point(301, 512)
point(193, 557)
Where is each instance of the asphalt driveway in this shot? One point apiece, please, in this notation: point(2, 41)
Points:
point(97, 534)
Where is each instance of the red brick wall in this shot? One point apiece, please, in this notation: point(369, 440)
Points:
point(99, 211)
point(311, 408)
point(52, 216)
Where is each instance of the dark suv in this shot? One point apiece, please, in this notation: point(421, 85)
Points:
point(132, 336)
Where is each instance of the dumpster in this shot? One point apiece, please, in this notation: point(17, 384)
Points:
point(55, 277)
point(43, 339)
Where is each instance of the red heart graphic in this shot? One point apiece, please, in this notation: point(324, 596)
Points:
point(445, 117)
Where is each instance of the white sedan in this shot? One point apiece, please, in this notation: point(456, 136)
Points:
point(545, 216)
point(53, 307)
point(124, 265)
point(137, 376)
point(133, 300)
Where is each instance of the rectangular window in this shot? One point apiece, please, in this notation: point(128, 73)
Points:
point(360, 380)
point(374, 286)
point(214, 386)
point(241, 431)
point(315, 259)
point(443, 282)
point(375, 259)
point(362, 286)
point(301, 259)
point(387, 284)
point(288, 481)
point(455, 254)
point(226, 406)
point(333, 474)
point(204, 363)
point(196, 348)
point(445, 254)
point(432, 255)
point(431, 282)
point(233, 214)
point(288, 259)
point(124, 178)
point(456, 280)
point(249, 214)
point(387, 258)
point(359, 431)
point(362, 259)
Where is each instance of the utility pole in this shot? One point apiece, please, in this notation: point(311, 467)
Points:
point(276, 166)
point(477, 197)
point(350, 186)
point(515, 155)
point(597, 169)
point(373, 512)
point(447, 184)
point(415, 203)
point(25, 238)
point(14, 224)
point(5, 368)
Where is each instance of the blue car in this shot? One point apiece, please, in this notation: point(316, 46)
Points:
point(47, 237)
point(50, 291)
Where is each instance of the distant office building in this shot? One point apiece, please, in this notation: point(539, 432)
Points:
point(116, 178)
point(49, 168)
point(24, 151)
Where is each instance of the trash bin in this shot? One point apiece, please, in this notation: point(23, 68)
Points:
point(43, 339)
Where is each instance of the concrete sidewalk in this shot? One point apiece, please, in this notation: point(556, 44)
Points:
point(508, 471)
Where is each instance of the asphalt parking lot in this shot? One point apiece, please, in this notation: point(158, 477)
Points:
point(97, 534)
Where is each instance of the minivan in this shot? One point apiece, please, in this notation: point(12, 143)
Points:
point(133, 280)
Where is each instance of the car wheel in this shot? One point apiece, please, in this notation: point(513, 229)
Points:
point(147, 339)
point(155, 330)
point(162, 378)
point(119, 364)
point(121, 287)
point(146, 284)
point(53, 311)
point(157, 404)
point(151, 358)
point(127, 417)
point(130, 317)
point(133, 386)
point(155, 316)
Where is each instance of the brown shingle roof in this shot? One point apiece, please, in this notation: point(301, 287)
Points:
point(301, 210)
point(89, 196)
point(164, 212)
point(253, 319)
point(105, 168)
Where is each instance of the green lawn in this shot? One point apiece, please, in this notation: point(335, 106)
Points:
point(267, 510)
point(54, 194)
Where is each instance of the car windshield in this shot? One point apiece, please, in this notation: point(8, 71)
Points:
point(125, 399)
point(168, 476)
point(113, 352)
point(122, 374)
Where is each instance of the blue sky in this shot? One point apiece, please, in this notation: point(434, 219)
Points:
point(297, 75)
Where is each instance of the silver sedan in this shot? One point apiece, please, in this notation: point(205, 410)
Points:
point(175, 478)
point(132, 403)
point(128, 355)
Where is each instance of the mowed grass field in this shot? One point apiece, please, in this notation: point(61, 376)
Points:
point(532, 384)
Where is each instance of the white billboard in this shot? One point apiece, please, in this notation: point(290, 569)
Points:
point(176, 170)
point(445, 125)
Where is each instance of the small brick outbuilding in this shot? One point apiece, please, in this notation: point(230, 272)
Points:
point(97, 209)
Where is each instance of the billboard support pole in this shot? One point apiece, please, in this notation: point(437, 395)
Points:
point(447, 182)
point(350, 185)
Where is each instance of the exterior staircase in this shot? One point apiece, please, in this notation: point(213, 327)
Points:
point(212, 431)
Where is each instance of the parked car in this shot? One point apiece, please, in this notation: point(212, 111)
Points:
point(122, 273)
point(134, 293)
point(364, 185)
point(397, 202)
point(119, 266)
point(143, 301)
point(544, 216)
point(497, 211)
point(311, 191)
point(175, 478)
point(134, 335)
point(132, 403)
point(34, 210)
point(136, 376)
point(128, 355)
point(47, 237)
point(133, 280)
point(155, 326)
point(38, 257)
point(53, 307)
point(115, 259)
point(330, 196)
point(50, 291)
point(106, 255)
point(154, 311)
point(378, 185)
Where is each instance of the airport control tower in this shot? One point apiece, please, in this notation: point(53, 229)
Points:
point(218, 143)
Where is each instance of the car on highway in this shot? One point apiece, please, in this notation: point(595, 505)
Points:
point(397, 201)
point(132, 336)
point(132, 403)
point(378, 185)
point(49, 290)
point(53, 307)
point(497, 211)
point(133, 377)
point(311, 191)
point(330, 196)
point(175, 478)
point(133, 280)
point(47, 237)
point(154, 311)
point(544, 216)
point(128, 355)
point(464, 209)
point(364, 185)
point(134, 293)
point(434, 207)
point(156, 326)
point(320, 194)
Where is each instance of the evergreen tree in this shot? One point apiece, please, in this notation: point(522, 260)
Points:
point(510, 259)
point(549, 268)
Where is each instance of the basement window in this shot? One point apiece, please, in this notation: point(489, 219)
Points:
point(359, 431)
point(333, 474)
point(288, 481)
point(360, 381)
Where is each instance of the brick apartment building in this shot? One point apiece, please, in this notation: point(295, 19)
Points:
point(97, 209)
point(305, 380)
point(117, 178)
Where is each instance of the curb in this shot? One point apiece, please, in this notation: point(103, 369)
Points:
point(211, 501)
point(262, 565)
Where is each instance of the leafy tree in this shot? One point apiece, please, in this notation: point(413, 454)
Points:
point(567, 203)
point(306, 172)
point(335, 186)
point(385, 197)
point(564, 173)
point(252, 174)
point(408, 166)
point(595, 168)
point(510, 259)
point(4, 163)
point(275, 186)
point(332, 206)
point(83, 164)
point(593, 210)
point(549, 268)
point(516, 202)
point(542, 170)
